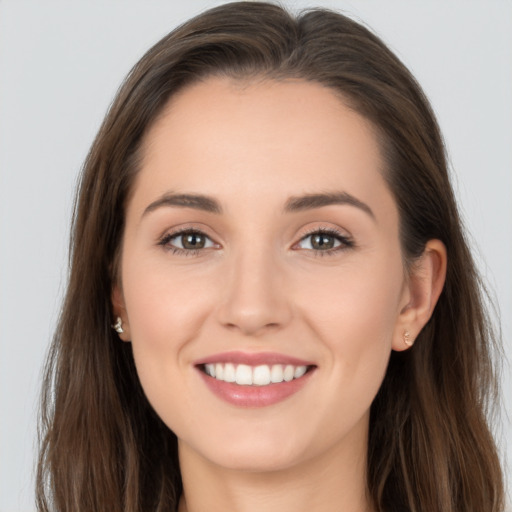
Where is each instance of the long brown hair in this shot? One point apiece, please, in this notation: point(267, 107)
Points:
point(430, 447)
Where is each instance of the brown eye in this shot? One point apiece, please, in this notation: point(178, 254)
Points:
point(328, 242)
point(187, 241)
point(322, 241)
point(193, 241)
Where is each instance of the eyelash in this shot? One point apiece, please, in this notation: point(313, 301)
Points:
point(345, 242)
point(165, 242)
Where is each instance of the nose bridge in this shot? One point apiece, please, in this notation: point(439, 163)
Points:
point(254, 298)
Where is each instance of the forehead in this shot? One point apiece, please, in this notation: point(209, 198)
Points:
point(269, 137)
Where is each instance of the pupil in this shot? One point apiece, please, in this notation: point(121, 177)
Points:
point(323, 242)
point(193, 241)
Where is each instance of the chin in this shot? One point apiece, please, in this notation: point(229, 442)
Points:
point(251, 452)
point(255, 461)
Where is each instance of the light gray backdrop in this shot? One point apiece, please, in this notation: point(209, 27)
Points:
point(60, 65)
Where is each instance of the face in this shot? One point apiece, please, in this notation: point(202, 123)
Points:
point(262, 246)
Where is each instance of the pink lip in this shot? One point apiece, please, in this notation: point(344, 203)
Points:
point(253, 359)
point(253, 396)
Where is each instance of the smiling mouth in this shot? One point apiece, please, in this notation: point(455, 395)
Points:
point(261, 375)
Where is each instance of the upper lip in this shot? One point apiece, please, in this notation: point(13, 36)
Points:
point(253, 359)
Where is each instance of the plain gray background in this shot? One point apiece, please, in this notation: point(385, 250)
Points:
point(60, 65)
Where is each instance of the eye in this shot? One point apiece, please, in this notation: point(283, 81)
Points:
point(325, 240)
point(187, 241)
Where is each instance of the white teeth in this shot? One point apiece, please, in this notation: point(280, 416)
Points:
point(262, 375)
point(229, 373)
point(276, 374)
point(243, 375)
point(210, 369)
point(289, 370)
point(299, 372)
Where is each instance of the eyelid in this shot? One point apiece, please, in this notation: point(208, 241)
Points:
point(346, 240)
point(169, 235)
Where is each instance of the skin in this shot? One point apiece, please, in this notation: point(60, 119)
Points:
point(259, 286)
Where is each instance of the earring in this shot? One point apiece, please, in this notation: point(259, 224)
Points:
point(118, 326)
point(407, 339)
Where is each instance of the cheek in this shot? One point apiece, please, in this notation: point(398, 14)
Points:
point(354, 301)
point(164, 303)
point(353, 314)
point(353, 310)
point(166, 308)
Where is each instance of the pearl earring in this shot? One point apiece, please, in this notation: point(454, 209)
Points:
point(407, 339)
point(118, 326)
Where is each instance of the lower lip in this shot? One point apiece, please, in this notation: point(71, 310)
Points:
point(254, 396)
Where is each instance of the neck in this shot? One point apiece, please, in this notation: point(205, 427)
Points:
point(330, 482)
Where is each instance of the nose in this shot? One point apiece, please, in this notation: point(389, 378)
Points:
point(255, 299)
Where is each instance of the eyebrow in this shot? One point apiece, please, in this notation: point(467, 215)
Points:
point(294, 204)
point(311, 201)
point(196, 201)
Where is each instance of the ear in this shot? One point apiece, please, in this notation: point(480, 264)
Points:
point(422, 290)
point(119, 310)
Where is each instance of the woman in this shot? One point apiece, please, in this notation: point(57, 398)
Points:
point(271, 301)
